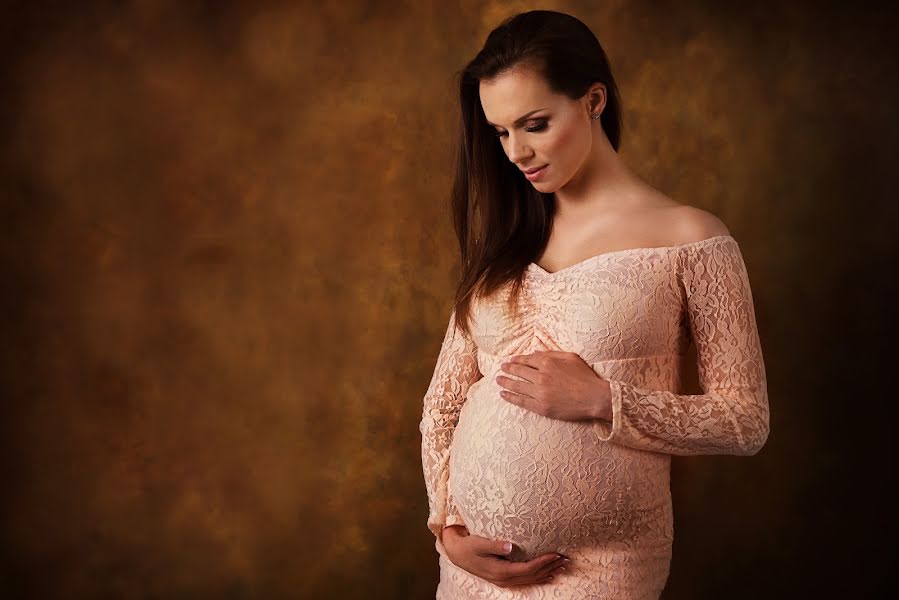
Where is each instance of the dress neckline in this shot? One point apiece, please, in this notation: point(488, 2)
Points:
point(535, 267)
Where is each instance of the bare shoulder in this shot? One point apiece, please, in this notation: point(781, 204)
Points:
point(682, 223)
point(691, 224)
point(655, 219)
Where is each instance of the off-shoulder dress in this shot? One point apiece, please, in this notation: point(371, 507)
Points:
point(594, 490)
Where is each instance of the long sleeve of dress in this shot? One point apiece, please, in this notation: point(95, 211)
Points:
point(732, 415)
point(456, 370)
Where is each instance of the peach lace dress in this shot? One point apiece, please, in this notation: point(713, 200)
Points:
point(596, 491)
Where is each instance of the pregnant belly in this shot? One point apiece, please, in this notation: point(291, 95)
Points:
point(549, 485)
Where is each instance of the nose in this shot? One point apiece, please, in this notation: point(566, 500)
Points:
point(517, 150)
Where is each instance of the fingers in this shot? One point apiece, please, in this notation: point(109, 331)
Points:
point(551, 568)
point(537, 570)
point(490, 548)
point(491, 562)
point(534, 566)
point(534, 578)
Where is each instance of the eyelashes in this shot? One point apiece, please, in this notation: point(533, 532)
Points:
point(539, 127)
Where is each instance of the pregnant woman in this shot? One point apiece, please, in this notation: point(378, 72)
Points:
point(556, 402)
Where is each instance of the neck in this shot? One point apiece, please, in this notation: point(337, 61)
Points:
point(603, 183)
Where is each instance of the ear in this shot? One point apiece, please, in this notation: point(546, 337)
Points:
point(596, 98)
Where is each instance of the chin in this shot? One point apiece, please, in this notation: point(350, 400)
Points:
point(544, 186)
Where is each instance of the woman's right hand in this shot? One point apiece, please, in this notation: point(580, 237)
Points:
point(486, 558)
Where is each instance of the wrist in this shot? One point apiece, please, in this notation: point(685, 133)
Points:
point(603, 405)
point(455, 532)
point(456, 528)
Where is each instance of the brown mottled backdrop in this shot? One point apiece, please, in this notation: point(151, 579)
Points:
point(227, 265)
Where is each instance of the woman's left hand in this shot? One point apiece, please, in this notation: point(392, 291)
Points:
point(557, 384)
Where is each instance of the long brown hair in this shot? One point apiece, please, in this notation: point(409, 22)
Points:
point(502, 223)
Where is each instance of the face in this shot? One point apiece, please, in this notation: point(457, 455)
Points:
point(537, 127)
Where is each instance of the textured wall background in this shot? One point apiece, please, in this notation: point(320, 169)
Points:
point(227, 264)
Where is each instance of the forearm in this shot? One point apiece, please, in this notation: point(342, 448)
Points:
point(732, 421)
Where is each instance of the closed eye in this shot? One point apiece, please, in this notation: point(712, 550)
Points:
point(539, 127)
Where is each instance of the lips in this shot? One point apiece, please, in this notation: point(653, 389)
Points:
point(535, 174)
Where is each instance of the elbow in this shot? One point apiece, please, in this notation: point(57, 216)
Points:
point(755, 437)
point(425, 424)
point(752, 445)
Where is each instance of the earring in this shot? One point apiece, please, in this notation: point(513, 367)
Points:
point(595, 116)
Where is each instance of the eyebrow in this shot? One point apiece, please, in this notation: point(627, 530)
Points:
point(521, 118)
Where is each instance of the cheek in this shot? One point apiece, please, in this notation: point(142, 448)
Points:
point(565, 149)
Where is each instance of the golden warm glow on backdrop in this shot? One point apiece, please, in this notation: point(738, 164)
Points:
point(228, 263)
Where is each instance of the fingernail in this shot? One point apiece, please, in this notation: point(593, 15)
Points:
point(507, 547)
